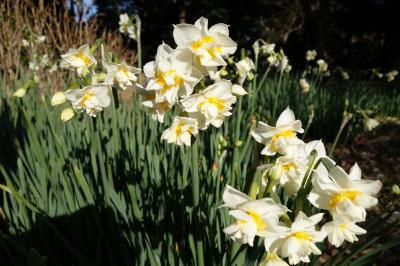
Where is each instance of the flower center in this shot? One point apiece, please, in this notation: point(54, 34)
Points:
point(344, 195)
point(302, 236)
point(258, 220)
point(161, 78)
point(284, 134)
point(86, 98)
point(200, 42)
point(287, 167)
point(86, 60)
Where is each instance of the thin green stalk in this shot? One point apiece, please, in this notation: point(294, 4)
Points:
point(196, 207)
point(346, 119)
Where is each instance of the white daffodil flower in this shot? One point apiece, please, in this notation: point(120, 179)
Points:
point(67, 114)
point(123, 23)
point(58, 98)
point(209, 45)
point(277, 139)
point(344, 195)
point(304, 85)
point(122, 74)
point(345, 75)
point(370, 123)
point(272, 259)
point(310, 55)
point(390, 76)
point(211, 105)
point(25, 43)
point(132, 32)
point(253, 217)
point(171, 75)
point(268, 48)
point(243, 68)
point(155, 109)
point(296, 242)
point(322, 66)
point(181, 130)
point(80, 58)
point(91, 99)
point(340, 230)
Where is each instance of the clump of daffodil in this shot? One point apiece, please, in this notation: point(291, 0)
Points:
point(96, 81)
point(303, 172)
point(194, 77)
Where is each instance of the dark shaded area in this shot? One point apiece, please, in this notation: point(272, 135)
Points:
point(354, 34)
point(87, 237)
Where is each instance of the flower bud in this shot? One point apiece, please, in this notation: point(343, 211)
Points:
point(238, 143)
point(67, 114)
point(396, 190)
point(58, 98)
point(21, 92)
point(275, 172)
point(238, 90)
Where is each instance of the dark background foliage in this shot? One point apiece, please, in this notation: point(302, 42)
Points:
point(355, 34)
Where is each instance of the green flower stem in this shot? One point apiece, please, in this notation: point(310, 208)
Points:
point(301, 195)
point(196, 207)
point(346, 119)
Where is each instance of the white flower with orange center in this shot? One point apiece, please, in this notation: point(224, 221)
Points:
point(80, 59)
point(344, 195)
point(209, 45)
point(171, 75)
point(252, 217)
point(211, 105)
point(340, 230)
point(92, 99)
point(122, 74)
point(296, 242)
point(277, 139)
point(181, 131)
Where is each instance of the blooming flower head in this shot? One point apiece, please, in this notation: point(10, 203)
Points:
point(390, 76)
point(310, 55)
point(340, 230)
point(296, 242)
point(322, 65)
point(123, 23)
point(252, 216)
point(122, 74)
point(80, 58)
point(277, 139)
point(171, 75)
point(304, 85)
point(91, 99)
point(370, 123)
point(244, 67)
point(157, 110)
point(209, 45)
point(181, 130)
point(344, 195)
point(211, 105)
point(272, 259)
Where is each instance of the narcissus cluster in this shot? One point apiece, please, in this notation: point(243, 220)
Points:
point(309, 178)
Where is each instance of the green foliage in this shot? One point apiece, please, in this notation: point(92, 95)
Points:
point(107, 191)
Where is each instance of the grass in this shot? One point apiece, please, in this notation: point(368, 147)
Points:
point(107, 191)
